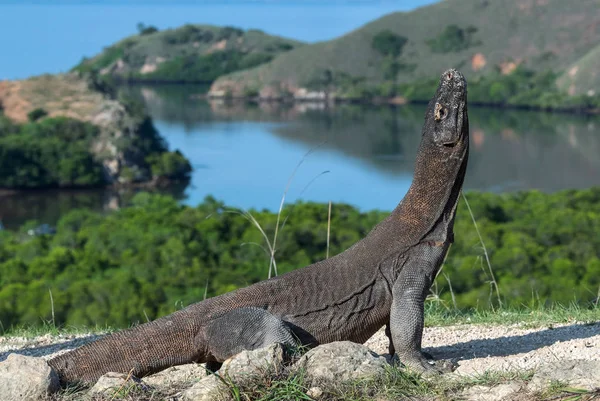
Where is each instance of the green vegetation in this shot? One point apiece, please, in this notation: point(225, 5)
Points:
point(476, 37)
point(56, 152)
point(36, 114)
point(453, 39)
point(51, 153)
point(205, 68)
point(146, 30)
point(521, 88)
point(170, 165)
point(191, 53)
point(388, 43)
point(157, 256)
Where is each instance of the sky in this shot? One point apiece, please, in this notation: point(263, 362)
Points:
point(51, 36)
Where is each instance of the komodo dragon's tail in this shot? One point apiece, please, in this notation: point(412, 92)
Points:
point(142, 350)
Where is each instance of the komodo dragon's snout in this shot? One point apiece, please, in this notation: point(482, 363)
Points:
point(382, 279)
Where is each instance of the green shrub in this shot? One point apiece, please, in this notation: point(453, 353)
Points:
point(453, 39)
point(388, 43)
point(206, 68)
point(53, 152)
point(187, 34)
point(146, 30)
point(172, 165)
point(36, 114)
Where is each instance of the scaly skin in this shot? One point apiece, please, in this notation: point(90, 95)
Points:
point(382, 279)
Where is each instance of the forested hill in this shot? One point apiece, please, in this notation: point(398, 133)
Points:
point(481, 38)
point(191, 53)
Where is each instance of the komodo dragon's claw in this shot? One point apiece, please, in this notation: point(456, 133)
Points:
point(427, 366)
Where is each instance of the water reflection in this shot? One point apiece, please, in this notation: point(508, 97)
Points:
point(510, 149)
point(244, 153)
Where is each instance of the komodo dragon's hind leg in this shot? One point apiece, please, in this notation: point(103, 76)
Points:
point(242, 329)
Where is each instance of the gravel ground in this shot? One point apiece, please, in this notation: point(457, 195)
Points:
point(475, 347)
point(478, 348)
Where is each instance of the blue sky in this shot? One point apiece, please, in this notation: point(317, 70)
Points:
point(51, 36)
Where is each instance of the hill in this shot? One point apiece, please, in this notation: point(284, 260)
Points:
point(191, 53)
point(481, 38)
point(72, 131)
point(582, 77)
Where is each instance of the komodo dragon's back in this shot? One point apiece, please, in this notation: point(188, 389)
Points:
point(382, 279)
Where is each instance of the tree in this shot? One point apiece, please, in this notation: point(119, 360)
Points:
point(146, 30)
point(388, 43)
point(36, 114)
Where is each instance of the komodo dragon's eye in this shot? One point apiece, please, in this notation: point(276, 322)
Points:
point(440, 112)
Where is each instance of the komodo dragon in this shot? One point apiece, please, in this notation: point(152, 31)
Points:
point(382, 279)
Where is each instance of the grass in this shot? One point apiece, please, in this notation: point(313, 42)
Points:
point(438, 315)
point(394, 384)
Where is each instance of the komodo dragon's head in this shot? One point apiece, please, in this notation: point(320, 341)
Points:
point(446, 121)
point(441, 160)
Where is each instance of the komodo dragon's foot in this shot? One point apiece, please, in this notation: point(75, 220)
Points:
point(424, 364)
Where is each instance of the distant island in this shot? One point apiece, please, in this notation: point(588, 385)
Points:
point(189, 54)
point(70, 131)
point(526, 54)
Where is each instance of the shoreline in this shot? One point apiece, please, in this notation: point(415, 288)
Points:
point(154, 184)
point(397, 101)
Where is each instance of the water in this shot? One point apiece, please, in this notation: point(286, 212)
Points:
point(60, 32)
point(245, 154)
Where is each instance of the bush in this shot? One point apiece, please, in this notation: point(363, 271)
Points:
point(453, 39)
point(187, 34)
point(206, 68)
point(36, 114)
point(51, 153)
point(146, 30)
point(388, 43)
point(171, 165)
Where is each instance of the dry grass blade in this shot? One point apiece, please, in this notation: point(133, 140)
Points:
point(52, 306)
point(272, 264)
point(328, 229)
point(485, 252)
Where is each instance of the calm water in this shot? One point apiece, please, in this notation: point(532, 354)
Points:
point(245, 154)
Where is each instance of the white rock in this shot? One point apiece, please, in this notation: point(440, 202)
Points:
point(341, 361)
point(501, 392)
point(211, 388)
point(25, 378)
point(580, 373)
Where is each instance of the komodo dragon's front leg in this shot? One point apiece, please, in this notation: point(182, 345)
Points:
point(405, 329)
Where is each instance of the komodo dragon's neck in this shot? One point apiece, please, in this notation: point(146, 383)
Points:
point(426, 213)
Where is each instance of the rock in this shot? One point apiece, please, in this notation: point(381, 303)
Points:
point(314, 392)
point(210, 388)
point(505, 391)
point(341, 361)
point(579, 373)
point(248, 364)
point(112, 382)
point(26, 378)
point(176, 376)
point(239, 369)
